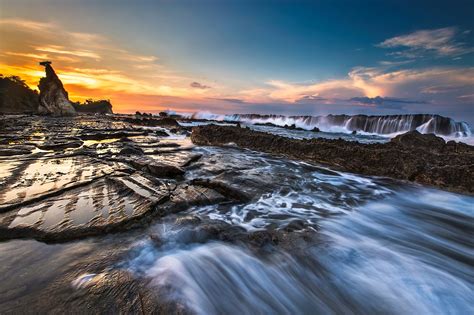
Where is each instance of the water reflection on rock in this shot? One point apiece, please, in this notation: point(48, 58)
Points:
point(176, 228)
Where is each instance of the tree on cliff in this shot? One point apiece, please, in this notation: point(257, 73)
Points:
point(94, 106)
point(16, 96)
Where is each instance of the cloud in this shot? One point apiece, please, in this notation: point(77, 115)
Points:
point(92, 65)
point(394, 63)
point(27, 24)
point(381, 87)
point(64, 51)
point(378, 100)
point(198, 85)
point(386, 102)
point(311, 98)
point(230, 100)
point(87, 62)
point(439, 89)
point(442, 42)
point(466, 98)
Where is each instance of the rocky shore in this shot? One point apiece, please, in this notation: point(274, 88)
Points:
point(68, 179)
point(144, 214)
point(129, 186)
point(425, 159)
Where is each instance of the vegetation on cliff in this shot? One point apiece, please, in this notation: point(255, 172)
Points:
point(16, 96)
point(94, 106)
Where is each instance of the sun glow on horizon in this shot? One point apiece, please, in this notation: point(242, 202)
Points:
point(136, 81)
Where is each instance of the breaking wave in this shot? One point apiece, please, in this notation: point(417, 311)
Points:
point(382, 125)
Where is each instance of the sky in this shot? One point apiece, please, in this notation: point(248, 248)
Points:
point(273, 57)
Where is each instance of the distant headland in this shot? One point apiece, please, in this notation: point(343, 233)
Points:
point(16, 97)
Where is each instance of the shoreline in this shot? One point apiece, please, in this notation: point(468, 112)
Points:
point(420, 158)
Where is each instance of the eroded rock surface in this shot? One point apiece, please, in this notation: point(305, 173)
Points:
point(77, 177)
point(157, 221)
point(424, 159)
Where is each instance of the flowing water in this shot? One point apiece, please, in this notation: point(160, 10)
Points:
point(382, 246)
point(333, 242)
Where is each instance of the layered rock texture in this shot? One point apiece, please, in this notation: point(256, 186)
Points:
point(53, 97)
point(68, 178)
point(425, 159)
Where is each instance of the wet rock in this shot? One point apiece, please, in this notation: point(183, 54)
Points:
point(161, 133)
point(165, 145)
point(192, 159)
point(117, 291)
point(166, 122)
point(156, 239)
point(103, 135)
point(295, 225)
point(97, 207)
point(224, 189)
point(315, 129)
point(188, 219)
point(187, 195)
point(131, 150)
point(415, 157)
point(259, 241)
point(59, 145)
point(53, 97)
point(164, 170)
point(32, 180)
point(8, 151)
point(155, 168)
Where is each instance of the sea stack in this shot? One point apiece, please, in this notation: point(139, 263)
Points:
point(53, 97)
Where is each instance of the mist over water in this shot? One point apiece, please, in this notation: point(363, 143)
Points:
point(377, 246)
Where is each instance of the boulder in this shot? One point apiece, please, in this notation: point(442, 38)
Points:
point(416, 139)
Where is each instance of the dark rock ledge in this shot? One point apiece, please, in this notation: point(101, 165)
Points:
point(425, 159)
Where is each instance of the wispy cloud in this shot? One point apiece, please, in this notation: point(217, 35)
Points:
point(27, 24)
point(64, 51)
point(198, 85)
point(385, 102)
point(370, 86)
point(92, 65)
point(441, 42)
point(89, 63)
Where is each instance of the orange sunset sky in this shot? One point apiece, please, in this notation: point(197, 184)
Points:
point(244, 58)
